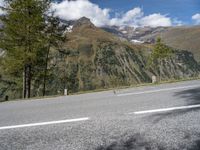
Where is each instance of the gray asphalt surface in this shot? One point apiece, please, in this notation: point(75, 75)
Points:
point(110, 126)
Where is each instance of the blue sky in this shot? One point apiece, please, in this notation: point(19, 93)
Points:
point(180, 9)
point(131, 12)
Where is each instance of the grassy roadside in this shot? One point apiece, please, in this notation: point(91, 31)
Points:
point(110, 89)
point(32, 98)
point(136, 85)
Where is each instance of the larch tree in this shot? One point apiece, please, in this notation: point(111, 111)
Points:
point(22, 36)
point(54, 38)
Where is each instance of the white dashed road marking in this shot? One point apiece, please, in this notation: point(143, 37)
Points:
point(164, 109)
point(43, 123)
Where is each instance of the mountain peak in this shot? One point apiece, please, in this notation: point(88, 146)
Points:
point(83, 22)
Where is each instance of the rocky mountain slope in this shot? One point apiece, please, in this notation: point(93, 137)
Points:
point(183, 37)
point(101, 60)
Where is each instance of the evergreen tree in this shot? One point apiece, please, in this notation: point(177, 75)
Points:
point(160, 53)
point(22, 36)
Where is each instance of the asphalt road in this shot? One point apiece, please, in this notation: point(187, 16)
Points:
point(163, 117)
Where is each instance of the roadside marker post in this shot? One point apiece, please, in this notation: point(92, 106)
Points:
point(154, 80)
point(65, 92)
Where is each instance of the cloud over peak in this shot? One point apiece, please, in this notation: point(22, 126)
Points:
point(196, 18)
point(130, 18)
point(155, 20)
point(73, 10)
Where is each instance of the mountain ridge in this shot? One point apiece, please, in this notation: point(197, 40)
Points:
point(178, 37)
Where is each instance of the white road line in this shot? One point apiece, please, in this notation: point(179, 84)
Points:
point(160, 90)
point(43, 123)
point(164, 110)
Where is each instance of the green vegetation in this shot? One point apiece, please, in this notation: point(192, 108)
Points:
point(160, 53)
point(88, 58)
point(54, 38)
point(106, 62)
point(22, 39)
point(183, 38)
point(26, 37)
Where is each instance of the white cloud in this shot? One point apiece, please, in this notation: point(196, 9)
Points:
point(177, 22)
point(73, 10)
point(129, 18)
point(2, 4)
point(196, 18)
point(155, 20)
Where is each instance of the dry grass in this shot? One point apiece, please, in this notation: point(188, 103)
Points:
point(184, 38)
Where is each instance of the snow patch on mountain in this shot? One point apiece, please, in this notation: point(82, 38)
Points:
point(69, 28)
point(137, 41)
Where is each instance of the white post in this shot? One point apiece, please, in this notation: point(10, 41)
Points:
point(154, 80)
point(65, 92)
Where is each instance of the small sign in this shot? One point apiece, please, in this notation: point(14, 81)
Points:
point(65, 92)
point(154, 80)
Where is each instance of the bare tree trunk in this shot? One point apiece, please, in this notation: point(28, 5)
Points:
point(45, 71)
point(28, 82)
point(24, 83)
point(44, 83)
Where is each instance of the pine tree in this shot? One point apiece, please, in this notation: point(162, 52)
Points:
point(22, 37)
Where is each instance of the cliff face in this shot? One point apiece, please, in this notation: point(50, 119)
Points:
point(110, 65)
point(97, 60)
point(180, 65)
